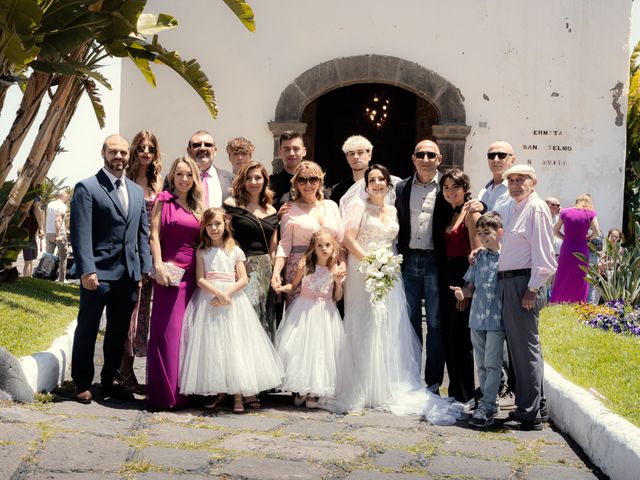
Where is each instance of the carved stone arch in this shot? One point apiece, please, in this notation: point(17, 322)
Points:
point(450, 133)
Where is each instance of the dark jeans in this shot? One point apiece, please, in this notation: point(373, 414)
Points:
point(420, 279)
point(119, 298)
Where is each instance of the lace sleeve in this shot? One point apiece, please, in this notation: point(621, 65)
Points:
point(353, 212)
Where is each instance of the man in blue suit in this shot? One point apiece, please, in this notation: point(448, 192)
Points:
point(110, 239)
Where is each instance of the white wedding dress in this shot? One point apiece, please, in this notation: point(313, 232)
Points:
point(380, 364)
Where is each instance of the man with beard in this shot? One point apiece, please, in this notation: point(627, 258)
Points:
point(216, 182)
point(110, 239)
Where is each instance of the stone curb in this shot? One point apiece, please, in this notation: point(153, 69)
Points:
point(46, 370)
point(611, 442)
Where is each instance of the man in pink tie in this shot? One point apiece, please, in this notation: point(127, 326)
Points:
point(215, 181)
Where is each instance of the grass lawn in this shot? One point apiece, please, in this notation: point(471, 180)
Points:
point(593, 358)
point(33, 312)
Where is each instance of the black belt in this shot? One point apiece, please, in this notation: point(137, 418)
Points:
point(417, 251)
point(514, 273)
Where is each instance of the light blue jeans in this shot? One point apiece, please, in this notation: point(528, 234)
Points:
point(420, 279)
point(487, 350)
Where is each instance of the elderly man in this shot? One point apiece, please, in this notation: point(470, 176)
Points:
point(554, 207)
point(240, 151)
point(495, 194)
point(358, 151)
point(110, 238)
point(56, 231)
point(216, 183)
point(527, 261)
point(415, 202)
point(291, 151)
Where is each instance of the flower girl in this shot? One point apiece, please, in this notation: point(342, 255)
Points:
point(310, 338)
point(224, 349)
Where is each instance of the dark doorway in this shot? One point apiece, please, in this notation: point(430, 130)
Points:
point(340, 113)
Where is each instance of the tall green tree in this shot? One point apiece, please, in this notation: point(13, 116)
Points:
point(54, 48)
point(631, 209)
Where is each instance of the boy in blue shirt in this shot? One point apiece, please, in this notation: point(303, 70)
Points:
point(485, 318)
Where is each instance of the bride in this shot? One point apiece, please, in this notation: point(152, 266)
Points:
point(380, 364)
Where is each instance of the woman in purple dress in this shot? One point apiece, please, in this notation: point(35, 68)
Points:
point(144, 169)
point(580, 225)
point(175, 223)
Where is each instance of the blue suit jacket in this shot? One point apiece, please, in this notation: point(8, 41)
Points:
point(104, 240)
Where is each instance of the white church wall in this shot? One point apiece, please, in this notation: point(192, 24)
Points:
point(524, 68)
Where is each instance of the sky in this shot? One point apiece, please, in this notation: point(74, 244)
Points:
point(83, 138)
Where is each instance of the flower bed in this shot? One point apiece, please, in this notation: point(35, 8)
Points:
point(613, 316)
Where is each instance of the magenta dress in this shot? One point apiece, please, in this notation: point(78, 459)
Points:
point(179, 234)
point(570, 285)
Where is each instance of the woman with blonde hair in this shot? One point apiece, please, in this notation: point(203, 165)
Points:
point(175, 226)
point(144, 169)
point(309, 212)
point(575, 226)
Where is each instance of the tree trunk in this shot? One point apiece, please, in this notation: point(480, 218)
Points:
point(3, 95)
point(37, 86)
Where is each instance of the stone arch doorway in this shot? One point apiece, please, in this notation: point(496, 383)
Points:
point(450, 131)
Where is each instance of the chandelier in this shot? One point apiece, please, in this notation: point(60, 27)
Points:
point(377, 112)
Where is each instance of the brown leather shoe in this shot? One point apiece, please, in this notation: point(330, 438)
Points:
point(84, 396)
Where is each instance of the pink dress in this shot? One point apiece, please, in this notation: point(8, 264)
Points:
point(297, 226)
point(570, 285)
point(179, 234)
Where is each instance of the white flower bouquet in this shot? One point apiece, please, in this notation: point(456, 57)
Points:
point(381, 267)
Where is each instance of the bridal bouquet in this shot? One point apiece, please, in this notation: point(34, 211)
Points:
point(381, 268)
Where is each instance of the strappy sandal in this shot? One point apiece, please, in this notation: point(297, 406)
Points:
point(215, 403)
point(238, 406)
point(252, 402)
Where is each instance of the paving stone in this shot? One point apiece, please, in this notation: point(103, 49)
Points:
point(393, 459)
point(18, 433)
point(371, 475)
point(256, 423)
point(24, 415)
point(462, 429)
point(487, 448)
point(272, 469)
point(314, 428)
point(74, 475)
point(292, 448)
point(98, 426)
point(288, 411)
point(559, 453)
point(67, 451)
point(112, 409)
point(11, 458)
point(470, 467)
point(167, 476)
point(168, 433)
point(546, 434)
point(545, 472)
point(374, 419)
point(389, 436)
point(176, 458)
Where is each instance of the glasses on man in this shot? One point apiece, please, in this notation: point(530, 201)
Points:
point(429, 155)
point(146, 148)
point(500, 155)
point(553, 204)
point(305, 180)
point(199, 144)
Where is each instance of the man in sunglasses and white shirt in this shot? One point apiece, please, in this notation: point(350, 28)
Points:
point(415, 202)
point(216, 182)
point(495, 194)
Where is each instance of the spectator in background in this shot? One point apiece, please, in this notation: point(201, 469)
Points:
point(56, 231)
point(554, 207)
point(575, 226)
point(33, 222)
point(240, 151)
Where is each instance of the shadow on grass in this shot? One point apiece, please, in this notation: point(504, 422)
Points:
point(44, 290)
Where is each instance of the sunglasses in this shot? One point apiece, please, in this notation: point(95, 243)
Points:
point(500, 155)
point(429, 155)
point(305, 180)
point(199, 144)
point(146, 148)
point(553, 204)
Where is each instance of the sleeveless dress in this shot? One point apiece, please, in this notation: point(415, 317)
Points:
point(225, 349)
point(178, 236)
point(458, 350)
point(380, 365)
point(570, 285)
point(311, 336)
